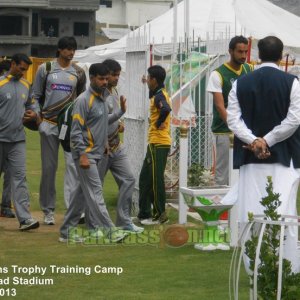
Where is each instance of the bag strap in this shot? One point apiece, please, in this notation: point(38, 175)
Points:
point(81, 79)
point(48, 66)
point(66, 113)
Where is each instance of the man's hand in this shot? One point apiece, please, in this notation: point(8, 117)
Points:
point(123, 104)
point(29, 115)
point(162, 126)
point(259, 147)
point(84, 162)
point(261, 150)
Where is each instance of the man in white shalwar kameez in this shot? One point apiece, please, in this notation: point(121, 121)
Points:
point(264, 115)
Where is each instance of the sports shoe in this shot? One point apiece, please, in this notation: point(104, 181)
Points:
point(117, 235)
point(132, 228)
point(162, 219)
point(29, 224)
point(149, 222)
point(49, 219)
point(75, 238)
point(6, 212)
point(82, 219)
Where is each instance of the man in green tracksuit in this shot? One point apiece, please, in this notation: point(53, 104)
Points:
point(219, 85)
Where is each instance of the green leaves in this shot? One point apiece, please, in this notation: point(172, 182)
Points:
point(199, 176)
point(269, 260)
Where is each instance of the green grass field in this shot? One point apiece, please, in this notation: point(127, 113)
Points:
point(151, 269)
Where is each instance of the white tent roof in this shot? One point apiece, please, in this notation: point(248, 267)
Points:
point(213, 18)
point(115, 33)
point(263, 18)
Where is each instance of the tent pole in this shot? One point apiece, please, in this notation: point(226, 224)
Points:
point(174, 29)
point(186, 21)
point(249, 49)
point(286, 62)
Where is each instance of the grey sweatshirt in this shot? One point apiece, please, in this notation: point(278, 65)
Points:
point(89, 125)
point(62, 86)
point(15, 97)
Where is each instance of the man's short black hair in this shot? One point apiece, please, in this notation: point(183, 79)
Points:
point(66, 42)
point(112, 65)
point(98, 69)
point(239, 39)
point(157, 72)
point(270, 49)
point(19, 57)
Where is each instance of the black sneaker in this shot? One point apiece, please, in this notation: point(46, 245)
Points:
point(6, 212)
point(29, 224)
point(81, 220)
point(162, 219)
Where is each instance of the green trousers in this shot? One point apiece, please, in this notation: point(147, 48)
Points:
point(151, 182)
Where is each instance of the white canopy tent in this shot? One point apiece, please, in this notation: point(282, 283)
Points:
point(211, 19)
point(215, 20)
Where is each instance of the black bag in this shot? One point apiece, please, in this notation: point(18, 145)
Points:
point(64, 123)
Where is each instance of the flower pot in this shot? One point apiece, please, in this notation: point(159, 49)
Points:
point(206, 201)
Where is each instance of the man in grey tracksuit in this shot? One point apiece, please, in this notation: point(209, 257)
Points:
point(15, 97)
point(59, 86)
point(6, 209)
point(116, 159)
point(88, 142)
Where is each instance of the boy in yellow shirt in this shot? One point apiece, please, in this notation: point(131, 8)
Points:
point(151, 181)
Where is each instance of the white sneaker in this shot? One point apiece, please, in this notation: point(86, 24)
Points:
point(117, 235)
point(205, 247)
point(223, 247)
point(49, 219)
point(29, 224)
point(148, 222)
point(132, 228)
point(72, 239)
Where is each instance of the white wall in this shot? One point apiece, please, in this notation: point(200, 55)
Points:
point(114, 15)
point(132, 12)
point(141, 12)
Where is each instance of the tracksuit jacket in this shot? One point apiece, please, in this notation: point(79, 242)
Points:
point(15, 97)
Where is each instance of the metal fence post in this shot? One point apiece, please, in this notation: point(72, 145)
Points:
point(183, 166)
point(233, 215)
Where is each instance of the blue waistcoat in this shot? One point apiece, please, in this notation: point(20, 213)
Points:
point(264, 98)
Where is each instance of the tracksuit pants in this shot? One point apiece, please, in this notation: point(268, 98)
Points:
point(14, 155)
point(49, 156)
point(151, 181)
point(117, 162)
point(87, 193)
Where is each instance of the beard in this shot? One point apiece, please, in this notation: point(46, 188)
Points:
point(98, 89)
point(239, 62)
